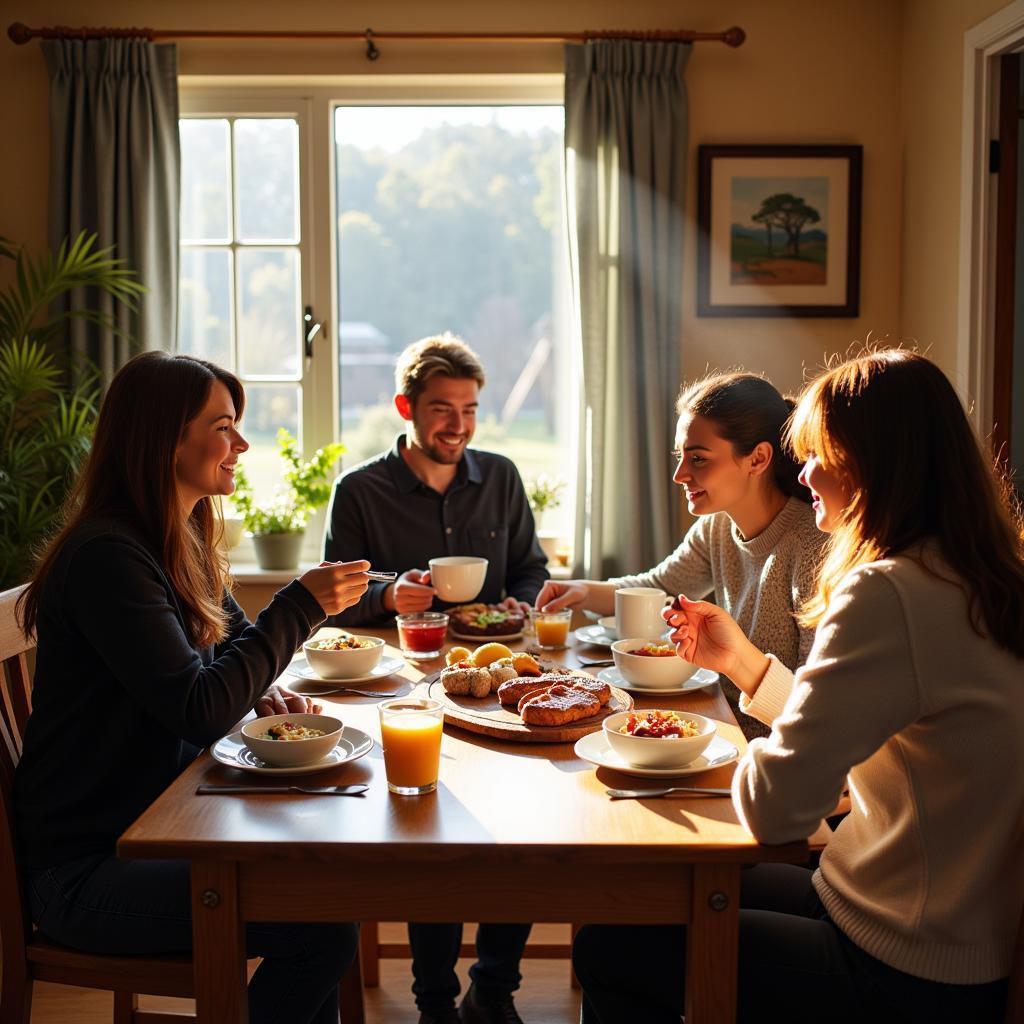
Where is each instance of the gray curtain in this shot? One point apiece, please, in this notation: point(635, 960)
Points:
point(115, 168)
point(625, 142)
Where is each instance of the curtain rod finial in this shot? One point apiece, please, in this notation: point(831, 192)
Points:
point(19, 33)
point(734, 36)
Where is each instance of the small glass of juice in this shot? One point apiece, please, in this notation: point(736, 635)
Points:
point(421, 634)
point(410, 731)
point(552, 628)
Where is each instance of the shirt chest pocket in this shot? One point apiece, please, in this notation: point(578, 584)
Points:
point(484, 540)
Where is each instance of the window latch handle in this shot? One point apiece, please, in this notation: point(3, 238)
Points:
point(310, 329)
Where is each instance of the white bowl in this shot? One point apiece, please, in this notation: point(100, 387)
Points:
point(457, 578)
point(350, 663)
point(661, 751)
point(292, 753)
point(645, 671)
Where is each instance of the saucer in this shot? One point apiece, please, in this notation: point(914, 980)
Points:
point(231, 751)
point(596, 749)
point(607, 623)
point(387, 666)
point(597, 636)
point(701, 678)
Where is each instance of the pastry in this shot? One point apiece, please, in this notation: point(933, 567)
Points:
point(513, 692)
point(602, 691)
point(466, 682)
point(559, 705)
point(501, 671)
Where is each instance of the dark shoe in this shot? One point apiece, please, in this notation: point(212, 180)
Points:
point(450, 1016)
point(478, 1008)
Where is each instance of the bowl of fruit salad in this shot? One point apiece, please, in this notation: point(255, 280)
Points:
point(651, 663)
point(658, 738)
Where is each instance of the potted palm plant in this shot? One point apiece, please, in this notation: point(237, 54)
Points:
point(46, 417)
point(278, 527)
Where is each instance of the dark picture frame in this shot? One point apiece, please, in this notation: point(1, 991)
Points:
point(779, 231)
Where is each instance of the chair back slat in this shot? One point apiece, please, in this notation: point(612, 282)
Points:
point(15, 706)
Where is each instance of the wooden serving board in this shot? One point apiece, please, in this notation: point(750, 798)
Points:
point(487, 716)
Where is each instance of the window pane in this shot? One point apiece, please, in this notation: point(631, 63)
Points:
point(204, 304)
point(268, 407)
point(266, 176)
point(205, 192)
point(450, 218)
point(268, 312)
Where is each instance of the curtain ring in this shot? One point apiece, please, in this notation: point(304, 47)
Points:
point(372, 53)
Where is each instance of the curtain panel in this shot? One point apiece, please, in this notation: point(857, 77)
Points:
point(115, 168)
point(626, 160)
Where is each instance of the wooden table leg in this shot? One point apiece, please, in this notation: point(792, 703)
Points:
point(218, 944)
point(712, 940)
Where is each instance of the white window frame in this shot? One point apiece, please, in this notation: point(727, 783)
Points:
point(312, 104)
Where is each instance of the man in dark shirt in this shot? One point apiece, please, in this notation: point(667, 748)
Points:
point(427, 497)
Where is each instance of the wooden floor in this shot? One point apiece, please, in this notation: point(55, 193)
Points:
point(546, 996)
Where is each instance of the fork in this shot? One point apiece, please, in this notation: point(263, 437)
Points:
point(594, 662)
point(355, 790)
point(643, 794)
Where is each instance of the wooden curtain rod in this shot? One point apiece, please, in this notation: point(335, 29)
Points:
point(20, 33)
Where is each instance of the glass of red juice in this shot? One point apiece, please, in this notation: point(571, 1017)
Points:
point(421, 634)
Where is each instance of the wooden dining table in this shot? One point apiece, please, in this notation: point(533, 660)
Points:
point(514, 832)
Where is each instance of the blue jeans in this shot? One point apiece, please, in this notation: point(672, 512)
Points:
point(105, 905)
point(794, 965)
point(435, 948)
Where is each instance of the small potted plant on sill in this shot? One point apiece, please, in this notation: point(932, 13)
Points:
point(544, 494)
point(279, 527)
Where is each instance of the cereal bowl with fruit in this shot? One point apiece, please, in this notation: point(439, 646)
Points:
point(651, 663)
point(292, 740)
point(658, 738)
point(345, 656)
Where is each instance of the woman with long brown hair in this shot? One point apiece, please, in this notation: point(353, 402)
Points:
point(143, 659)
point(912, 692)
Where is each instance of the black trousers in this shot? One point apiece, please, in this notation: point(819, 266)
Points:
point(795, 965)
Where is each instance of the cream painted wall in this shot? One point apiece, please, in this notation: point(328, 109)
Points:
point(809, 72)
point(932, 91)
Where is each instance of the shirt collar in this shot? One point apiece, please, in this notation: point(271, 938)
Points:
point(407, 481)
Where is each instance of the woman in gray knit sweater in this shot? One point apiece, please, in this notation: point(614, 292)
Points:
point(754, 546)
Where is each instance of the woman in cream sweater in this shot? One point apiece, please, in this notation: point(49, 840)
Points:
point(912, 693)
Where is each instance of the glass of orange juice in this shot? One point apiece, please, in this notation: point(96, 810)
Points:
point(410, 730)
point(552, 628)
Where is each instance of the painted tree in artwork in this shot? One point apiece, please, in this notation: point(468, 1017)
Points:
point(790, 214)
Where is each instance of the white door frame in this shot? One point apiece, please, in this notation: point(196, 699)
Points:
point(1002, 33)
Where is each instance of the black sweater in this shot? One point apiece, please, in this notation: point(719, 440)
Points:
point(122, 701)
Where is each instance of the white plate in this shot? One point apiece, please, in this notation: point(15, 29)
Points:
point(230, 750)
point(598, 636)
point(485, 639)
point(596, 749)
point(701, 678)
point(387, 666)
point(607, 623)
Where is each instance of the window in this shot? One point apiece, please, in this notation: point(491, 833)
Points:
point(241, 260)
point(390, 223)
point(450, 218)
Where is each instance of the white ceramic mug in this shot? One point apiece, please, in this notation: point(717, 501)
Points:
point(638, 612)
point(457, 578)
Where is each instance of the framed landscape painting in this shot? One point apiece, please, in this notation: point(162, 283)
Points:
point(778, 231)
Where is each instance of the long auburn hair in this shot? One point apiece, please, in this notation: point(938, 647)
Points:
point(891, 425)
point(746, 410)
point(131, 466)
